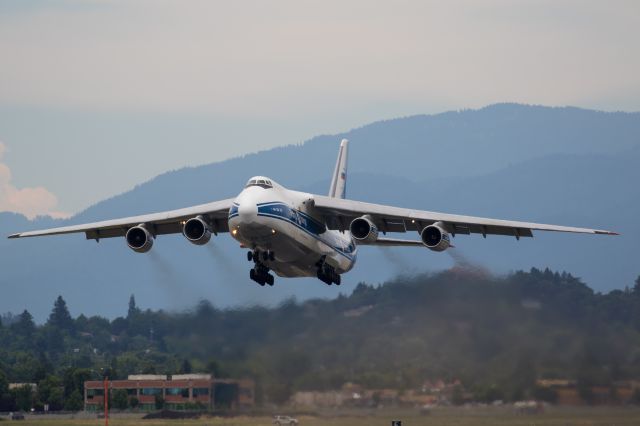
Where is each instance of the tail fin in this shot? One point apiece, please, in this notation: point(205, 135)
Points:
point(338, 186)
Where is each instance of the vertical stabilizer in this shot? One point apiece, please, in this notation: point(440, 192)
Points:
point(338, 186)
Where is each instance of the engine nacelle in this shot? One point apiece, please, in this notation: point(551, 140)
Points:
point(197, 231)
point(139, 239)
point(435, 237)
point(364, 230)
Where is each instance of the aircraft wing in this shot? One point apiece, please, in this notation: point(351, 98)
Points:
point(167, 222)
point(339, 213)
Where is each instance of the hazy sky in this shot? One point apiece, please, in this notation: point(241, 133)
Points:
point(97, 96)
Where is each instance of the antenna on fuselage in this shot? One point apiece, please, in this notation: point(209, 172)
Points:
point(338, 186)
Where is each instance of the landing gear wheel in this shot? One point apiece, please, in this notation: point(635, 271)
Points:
point(270, 279)
point(249, 256)
point(252, 274)
point(327, 273)
point(324, 278)
point(272, 256)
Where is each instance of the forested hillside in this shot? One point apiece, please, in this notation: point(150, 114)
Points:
point(498, 333)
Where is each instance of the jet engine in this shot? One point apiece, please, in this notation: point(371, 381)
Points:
point(435, 237)
point(196, 230)
point(139, 239)
point(364, 230)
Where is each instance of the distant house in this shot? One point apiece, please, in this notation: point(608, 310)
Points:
point(567, 391)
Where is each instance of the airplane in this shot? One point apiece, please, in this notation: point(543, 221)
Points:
point(297, 234)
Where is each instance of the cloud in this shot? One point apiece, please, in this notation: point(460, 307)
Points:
point(31, 202)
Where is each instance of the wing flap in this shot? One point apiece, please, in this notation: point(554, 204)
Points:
point(394, 242)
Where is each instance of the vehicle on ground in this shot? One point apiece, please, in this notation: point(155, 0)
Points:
point(284, 421)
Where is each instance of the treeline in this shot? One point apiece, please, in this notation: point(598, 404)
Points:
point(497, 335)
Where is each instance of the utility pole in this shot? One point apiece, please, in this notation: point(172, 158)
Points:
point(106, 401)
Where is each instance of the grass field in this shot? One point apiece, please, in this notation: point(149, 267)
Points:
point(440, 417)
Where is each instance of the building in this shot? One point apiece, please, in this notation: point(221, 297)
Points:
point(178, 392)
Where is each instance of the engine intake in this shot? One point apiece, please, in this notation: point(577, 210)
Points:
point(197, 231)
point(139, 239)
point(364, 230)
point(435, 237)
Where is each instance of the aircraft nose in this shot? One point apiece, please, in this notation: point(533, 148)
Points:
point(247, 212)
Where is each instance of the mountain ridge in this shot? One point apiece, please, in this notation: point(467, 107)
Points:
point(575, 186)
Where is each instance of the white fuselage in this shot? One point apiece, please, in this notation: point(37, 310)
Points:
point(273, 218)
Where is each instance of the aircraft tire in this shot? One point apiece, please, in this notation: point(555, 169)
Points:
point(249, 256)
point(270, 279)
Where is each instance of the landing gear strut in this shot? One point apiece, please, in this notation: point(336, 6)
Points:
point(327, 273)
point(260, 272)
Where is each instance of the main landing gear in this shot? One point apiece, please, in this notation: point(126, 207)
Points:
point(327, 273)
point(260, 272)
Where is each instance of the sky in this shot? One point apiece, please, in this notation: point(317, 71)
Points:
point(98, 96)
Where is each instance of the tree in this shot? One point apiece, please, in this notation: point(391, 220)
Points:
point(60, 316)
point(6, 400)
point(74, 401)
point(56, 399)
point(4, 383)
point(23, 397)
point(25, 326)
point(636, 287)
point(213, 368)
point(50, 391)
point(133, 309)
point(73, 380)
point(51, 340)
point(120, 399)
point(186, 367)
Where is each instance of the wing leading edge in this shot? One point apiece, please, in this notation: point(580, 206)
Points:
point(339, 213)
point(167, 222)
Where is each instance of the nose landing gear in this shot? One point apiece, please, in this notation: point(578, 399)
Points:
point(260, 272)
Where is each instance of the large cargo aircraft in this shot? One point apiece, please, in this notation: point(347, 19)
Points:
point(296, 234)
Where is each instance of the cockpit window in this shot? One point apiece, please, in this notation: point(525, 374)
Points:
point(264, 183)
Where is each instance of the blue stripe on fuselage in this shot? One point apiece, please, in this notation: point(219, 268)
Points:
point(303, 221)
